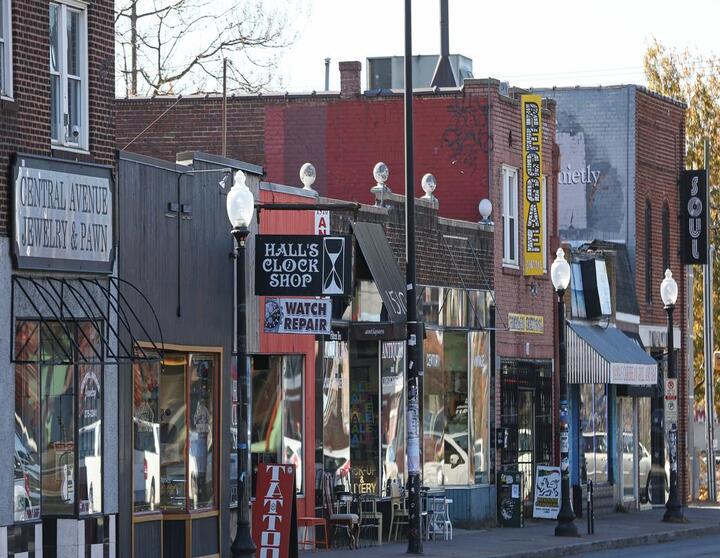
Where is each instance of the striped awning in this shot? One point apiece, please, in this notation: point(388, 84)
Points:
point(605, 355)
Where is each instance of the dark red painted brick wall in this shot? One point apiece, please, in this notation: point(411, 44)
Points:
point(25, 121)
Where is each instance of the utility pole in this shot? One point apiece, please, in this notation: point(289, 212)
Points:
point(413, 362)
point(709, 380)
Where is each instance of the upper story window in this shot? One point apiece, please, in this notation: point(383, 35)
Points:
point(5, 49)
point(68, 75)
point(510, 216)
point(648, 253)
point(666, 237)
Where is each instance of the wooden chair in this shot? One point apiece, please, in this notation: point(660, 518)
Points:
point(308, 523)
point(398, 512)
point(348, 521)
point(370, 518)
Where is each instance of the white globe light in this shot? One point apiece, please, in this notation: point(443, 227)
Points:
point(428, 185)
point(560, 271)
point(485, 208)
point(240, 203)
point(381, 172)
point(668, 289)
point(308, 175)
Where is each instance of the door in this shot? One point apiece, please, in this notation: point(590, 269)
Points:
point(627, 448)
point(526, 441)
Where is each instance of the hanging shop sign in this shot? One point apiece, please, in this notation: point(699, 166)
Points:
point(534, 257)
point(546, 504)
point(274, 524)
point(693, 216)
point(298, 315)
point(302, 265)
point(63, 215)
point(322, 221)
point(525, 323)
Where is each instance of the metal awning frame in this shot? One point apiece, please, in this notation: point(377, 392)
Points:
point(59, 294)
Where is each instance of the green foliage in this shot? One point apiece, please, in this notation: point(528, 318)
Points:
point(695, 79)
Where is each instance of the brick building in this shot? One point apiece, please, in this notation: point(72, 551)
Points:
point(621, 151)
point(468, 137)
point(56, 183)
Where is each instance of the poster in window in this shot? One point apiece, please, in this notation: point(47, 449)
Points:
point(532, 185)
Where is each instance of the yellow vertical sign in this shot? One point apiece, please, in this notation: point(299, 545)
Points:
point(532, 185)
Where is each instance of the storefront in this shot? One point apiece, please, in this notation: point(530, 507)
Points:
point(65, 351)
point(613, 381)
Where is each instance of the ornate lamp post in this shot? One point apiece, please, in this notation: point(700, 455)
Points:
point(240, 209)
point(673, 507)
point(560, 274)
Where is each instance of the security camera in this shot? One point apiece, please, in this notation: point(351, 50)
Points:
point(76, 131)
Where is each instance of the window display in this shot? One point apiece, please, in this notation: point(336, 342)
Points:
point(146, 436)
point(392, 413)
point(364, 428)
point(480, 409)
point(593, 420)
point(201, 440)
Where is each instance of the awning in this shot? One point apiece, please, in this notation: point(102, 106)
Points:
point(605, 355)
point(383, 268)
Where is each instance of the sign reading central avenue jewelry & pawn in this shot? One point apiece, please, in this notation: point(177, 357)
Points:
point(62, 215)
point(302, 265)
point(534, 257)
point(274, 522)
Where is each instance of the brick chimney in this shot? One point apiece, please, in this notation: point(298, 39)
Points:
point(349, 79)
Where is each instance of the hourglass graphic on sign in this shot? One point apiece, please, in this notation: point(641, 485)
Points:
point(333, 266)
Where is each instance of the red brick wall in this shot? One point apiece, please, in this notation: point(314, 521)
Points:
point(659, 152)
point(25, 121)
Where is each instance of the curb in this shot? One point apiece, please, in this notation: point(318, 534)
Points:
point(610, 544)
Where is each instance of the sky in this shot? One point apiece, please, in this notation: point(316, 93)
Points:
point(529, 44)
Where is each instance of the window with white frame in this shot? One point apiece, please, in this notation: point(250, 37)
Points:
point(5, 49)
point(68, 75)
point(510, 215)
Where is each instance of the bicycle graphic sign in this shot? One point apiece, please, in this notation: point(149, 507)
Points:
point(547, 492)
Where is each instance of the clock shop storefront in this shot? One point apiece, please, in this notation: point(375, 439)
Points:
point(62, 368)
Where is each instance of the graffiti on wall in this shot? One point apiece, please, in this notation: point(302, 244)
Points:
point(466, 135)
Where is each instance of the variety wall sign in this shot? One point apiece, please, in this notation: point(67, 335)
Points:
point(534, 258)
point(63, 215)
point(693, 216)
point(302, 265)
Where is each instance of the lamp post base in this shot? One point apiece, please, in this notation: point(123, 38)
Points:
point(566, 530)
point(243, 544)
point(674, 515)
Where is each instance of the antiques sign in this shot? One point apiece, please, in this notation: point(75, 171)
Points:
point(298, 315)
point(63, 215)
point(534, 260)
point(547, 492)
point(525, 323)
point(274, 522)
point(693, 216)
point(302, 265)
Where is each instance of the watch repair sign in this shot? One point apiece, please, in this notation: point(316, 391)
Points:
point(274, 523)
point(298, 315)
point(303, 265)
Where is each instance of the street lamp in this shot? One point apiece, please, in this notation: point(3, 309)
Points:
point(560, 274)
point(240, 209)
point(673, 507)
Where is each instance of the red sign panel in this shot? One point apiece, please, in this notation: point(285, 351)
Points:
point(274, 524)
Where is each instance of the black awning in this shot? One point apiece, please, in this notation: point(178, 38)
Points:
point(383, 268)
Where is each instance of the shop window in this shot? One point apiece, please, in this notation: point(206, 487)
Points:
point(174, 430)
point(480, 408)
point(510, 216)
point(368, 305)
point(594, 426)
point(364, 423)
point(454, 307)
point(392, 413)
point(433, 409)
point(336, 412)
point(6, 89)
point(456, 464)
point(68, 76)
point(478, 307)
point(58, 412)
point(277, 412)
point(577, 294)
point(429, 305)
point(666, 237)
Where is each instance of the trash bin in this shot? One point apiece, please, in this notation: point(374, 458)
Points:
point(509, 498)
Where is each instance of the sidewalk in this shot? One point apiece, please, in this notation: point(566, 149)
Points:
point(537, 540)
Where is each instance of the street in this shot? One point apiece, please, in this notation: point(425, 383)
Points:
point(691, 548)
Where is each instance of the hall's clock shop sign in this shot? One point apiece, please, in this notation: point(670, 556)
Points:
point(63, 215)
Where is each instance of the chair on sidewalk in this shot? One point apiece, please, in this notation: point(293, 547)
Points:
point(350, 522)
point(398, 512)
point(308, 526)
point(370, 517)
point(439, 517)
